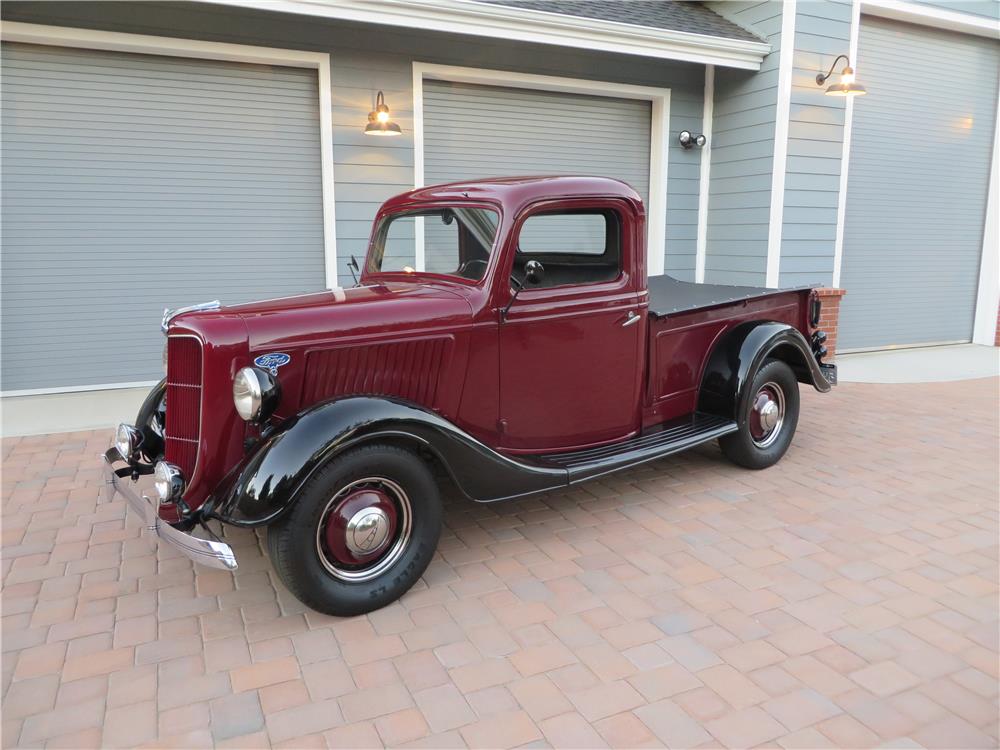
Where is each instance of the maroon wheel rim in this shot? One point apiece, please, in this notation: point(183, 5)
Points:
point(364, 529)
point(767, 414)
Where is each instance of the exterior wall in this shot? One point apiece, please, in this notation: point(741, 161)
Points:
point(985, 8)
point(815, 146)
point(365, 59)
point(829, 318)
point(743, 128)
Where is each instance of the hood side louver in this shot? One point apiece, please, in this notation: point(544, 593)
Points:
point(407, 369)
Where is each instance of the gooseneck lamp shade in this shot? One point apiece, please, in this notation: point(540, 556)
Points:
point(847, 85)
point(378, 119)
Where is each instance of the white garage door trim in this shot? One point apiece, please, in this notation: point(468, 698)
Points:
point(928, 15)
point(988, 292)
point(656, 210)
point(60, 36)
point(988, 296)
point(970, 280)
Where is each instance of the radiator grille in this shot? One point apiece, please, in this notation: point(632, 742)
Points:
point(408, 369)
point(183, 402)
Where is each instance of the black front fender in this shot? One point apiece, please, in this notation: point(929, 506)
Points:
point(268, 484)
point(738, 355)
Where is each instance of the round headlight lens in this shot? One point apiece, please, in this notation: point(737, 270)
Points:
point(126, 441)
point(167, 481)
point(256, 394)
point(248, 393)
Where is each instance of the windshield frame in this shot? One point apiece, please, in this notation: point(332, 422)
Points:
point(381, 224)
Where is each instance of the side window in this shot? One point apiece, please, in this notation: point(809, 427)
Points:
point(574, 247)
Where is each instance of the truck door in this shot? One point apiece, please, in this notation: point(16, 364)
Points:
point(570, 342)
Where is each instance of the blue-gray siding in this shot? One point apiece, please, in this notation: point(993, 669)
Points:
point(916, 200)
point(133, 183)
point(986, 8)
point(815, 145)
point(743, 155)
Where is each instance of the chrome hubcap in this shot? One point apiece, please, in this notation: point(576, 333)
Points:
point(367, 531)
point(767, 414)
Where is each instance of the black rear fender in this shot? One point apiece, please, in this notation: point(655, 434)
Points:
point(268, 484)
point(738, 355)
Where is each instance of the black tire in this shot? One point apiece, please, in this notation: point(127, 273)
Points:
point(741, 447)
point(294, 546)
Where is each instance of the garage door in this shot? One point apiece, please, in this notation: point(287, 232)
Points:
point(488, 131)
point(916, 199)
point(133, 183)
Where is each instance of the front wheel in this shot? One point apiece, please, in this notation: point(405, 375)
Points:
point(769, 418)
point(361, 532)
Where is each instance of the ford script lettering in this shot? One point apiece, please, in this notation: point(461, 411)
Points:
point(271, 362)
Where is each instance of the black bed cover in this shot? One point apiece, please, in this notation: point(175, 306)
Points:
point(668, 296)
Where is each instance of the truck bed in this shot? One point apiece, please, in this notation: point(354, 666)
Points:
point(668, 296)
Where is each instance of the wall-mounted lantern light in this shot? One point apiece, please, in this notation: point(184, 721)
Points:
point(687, 140)
point(378, 119)
point(847, 86)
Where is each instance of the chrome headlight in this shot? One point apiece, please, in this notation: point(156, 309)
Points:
point(255, 394)
point(127, 440)
point(167, 481)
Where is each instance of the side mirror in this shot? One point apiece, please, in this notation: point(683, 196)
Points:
point(534, 272)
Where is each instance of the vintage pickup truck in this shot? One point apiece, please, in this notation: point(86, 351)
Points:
point(528, 353)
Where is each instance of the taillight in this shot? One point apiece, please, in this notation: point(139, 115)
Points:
point(815, 307)
point(817, 340)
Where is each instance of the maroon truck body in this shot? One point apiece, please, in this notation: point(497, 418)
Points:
point(528, 381)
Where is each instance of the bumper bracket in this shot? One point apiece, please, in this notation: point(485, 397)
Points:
point(214, 554)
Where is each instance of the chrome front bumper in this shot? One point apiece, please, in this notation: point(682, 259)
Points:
point(205, 551)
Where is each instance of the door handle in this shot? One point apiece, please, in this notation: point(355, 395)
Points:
point(632, 317)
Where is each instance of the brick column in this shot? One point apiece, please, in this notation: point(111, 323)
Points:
point(830, 316)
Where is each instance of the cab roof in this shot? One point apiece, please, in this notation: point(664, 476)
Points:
point(514, 192)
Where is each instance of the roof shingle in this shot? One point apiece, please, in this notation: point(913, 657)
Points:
point(675, 15)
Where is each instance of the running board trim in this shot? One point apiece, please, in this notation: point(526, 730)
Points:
point(674, 437)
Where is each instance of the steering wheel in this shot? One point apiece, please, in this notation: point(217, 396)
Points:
point(465, 271)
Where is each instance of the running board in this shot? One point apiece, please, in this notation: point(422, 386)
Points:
point(673, 437)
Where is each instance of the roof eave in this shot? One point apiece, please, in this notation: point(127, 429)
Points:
point(528, 25)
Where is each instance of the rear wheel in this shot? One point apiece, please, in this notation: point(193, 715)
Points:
point(769, 418)
point(361, 532)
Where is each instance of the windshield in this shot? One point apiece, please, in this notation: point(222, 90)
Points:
point(456, 241)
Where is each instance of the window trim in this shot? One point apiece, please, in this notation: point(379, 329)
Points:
point(623, 282)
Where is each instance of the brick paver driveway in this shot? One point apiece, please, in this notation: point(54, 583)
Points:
point(847, 597)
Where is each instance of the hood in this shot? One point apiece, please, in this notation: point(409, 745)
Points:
point(359, 312)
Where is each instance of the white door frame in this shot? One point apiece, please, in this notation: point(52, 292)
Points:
point(984, 327)
point(988, 288)
point(64, 36)
point(656, 210)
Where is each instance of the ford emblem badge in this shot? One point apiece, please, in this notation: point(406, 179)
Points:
point(271, 362)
